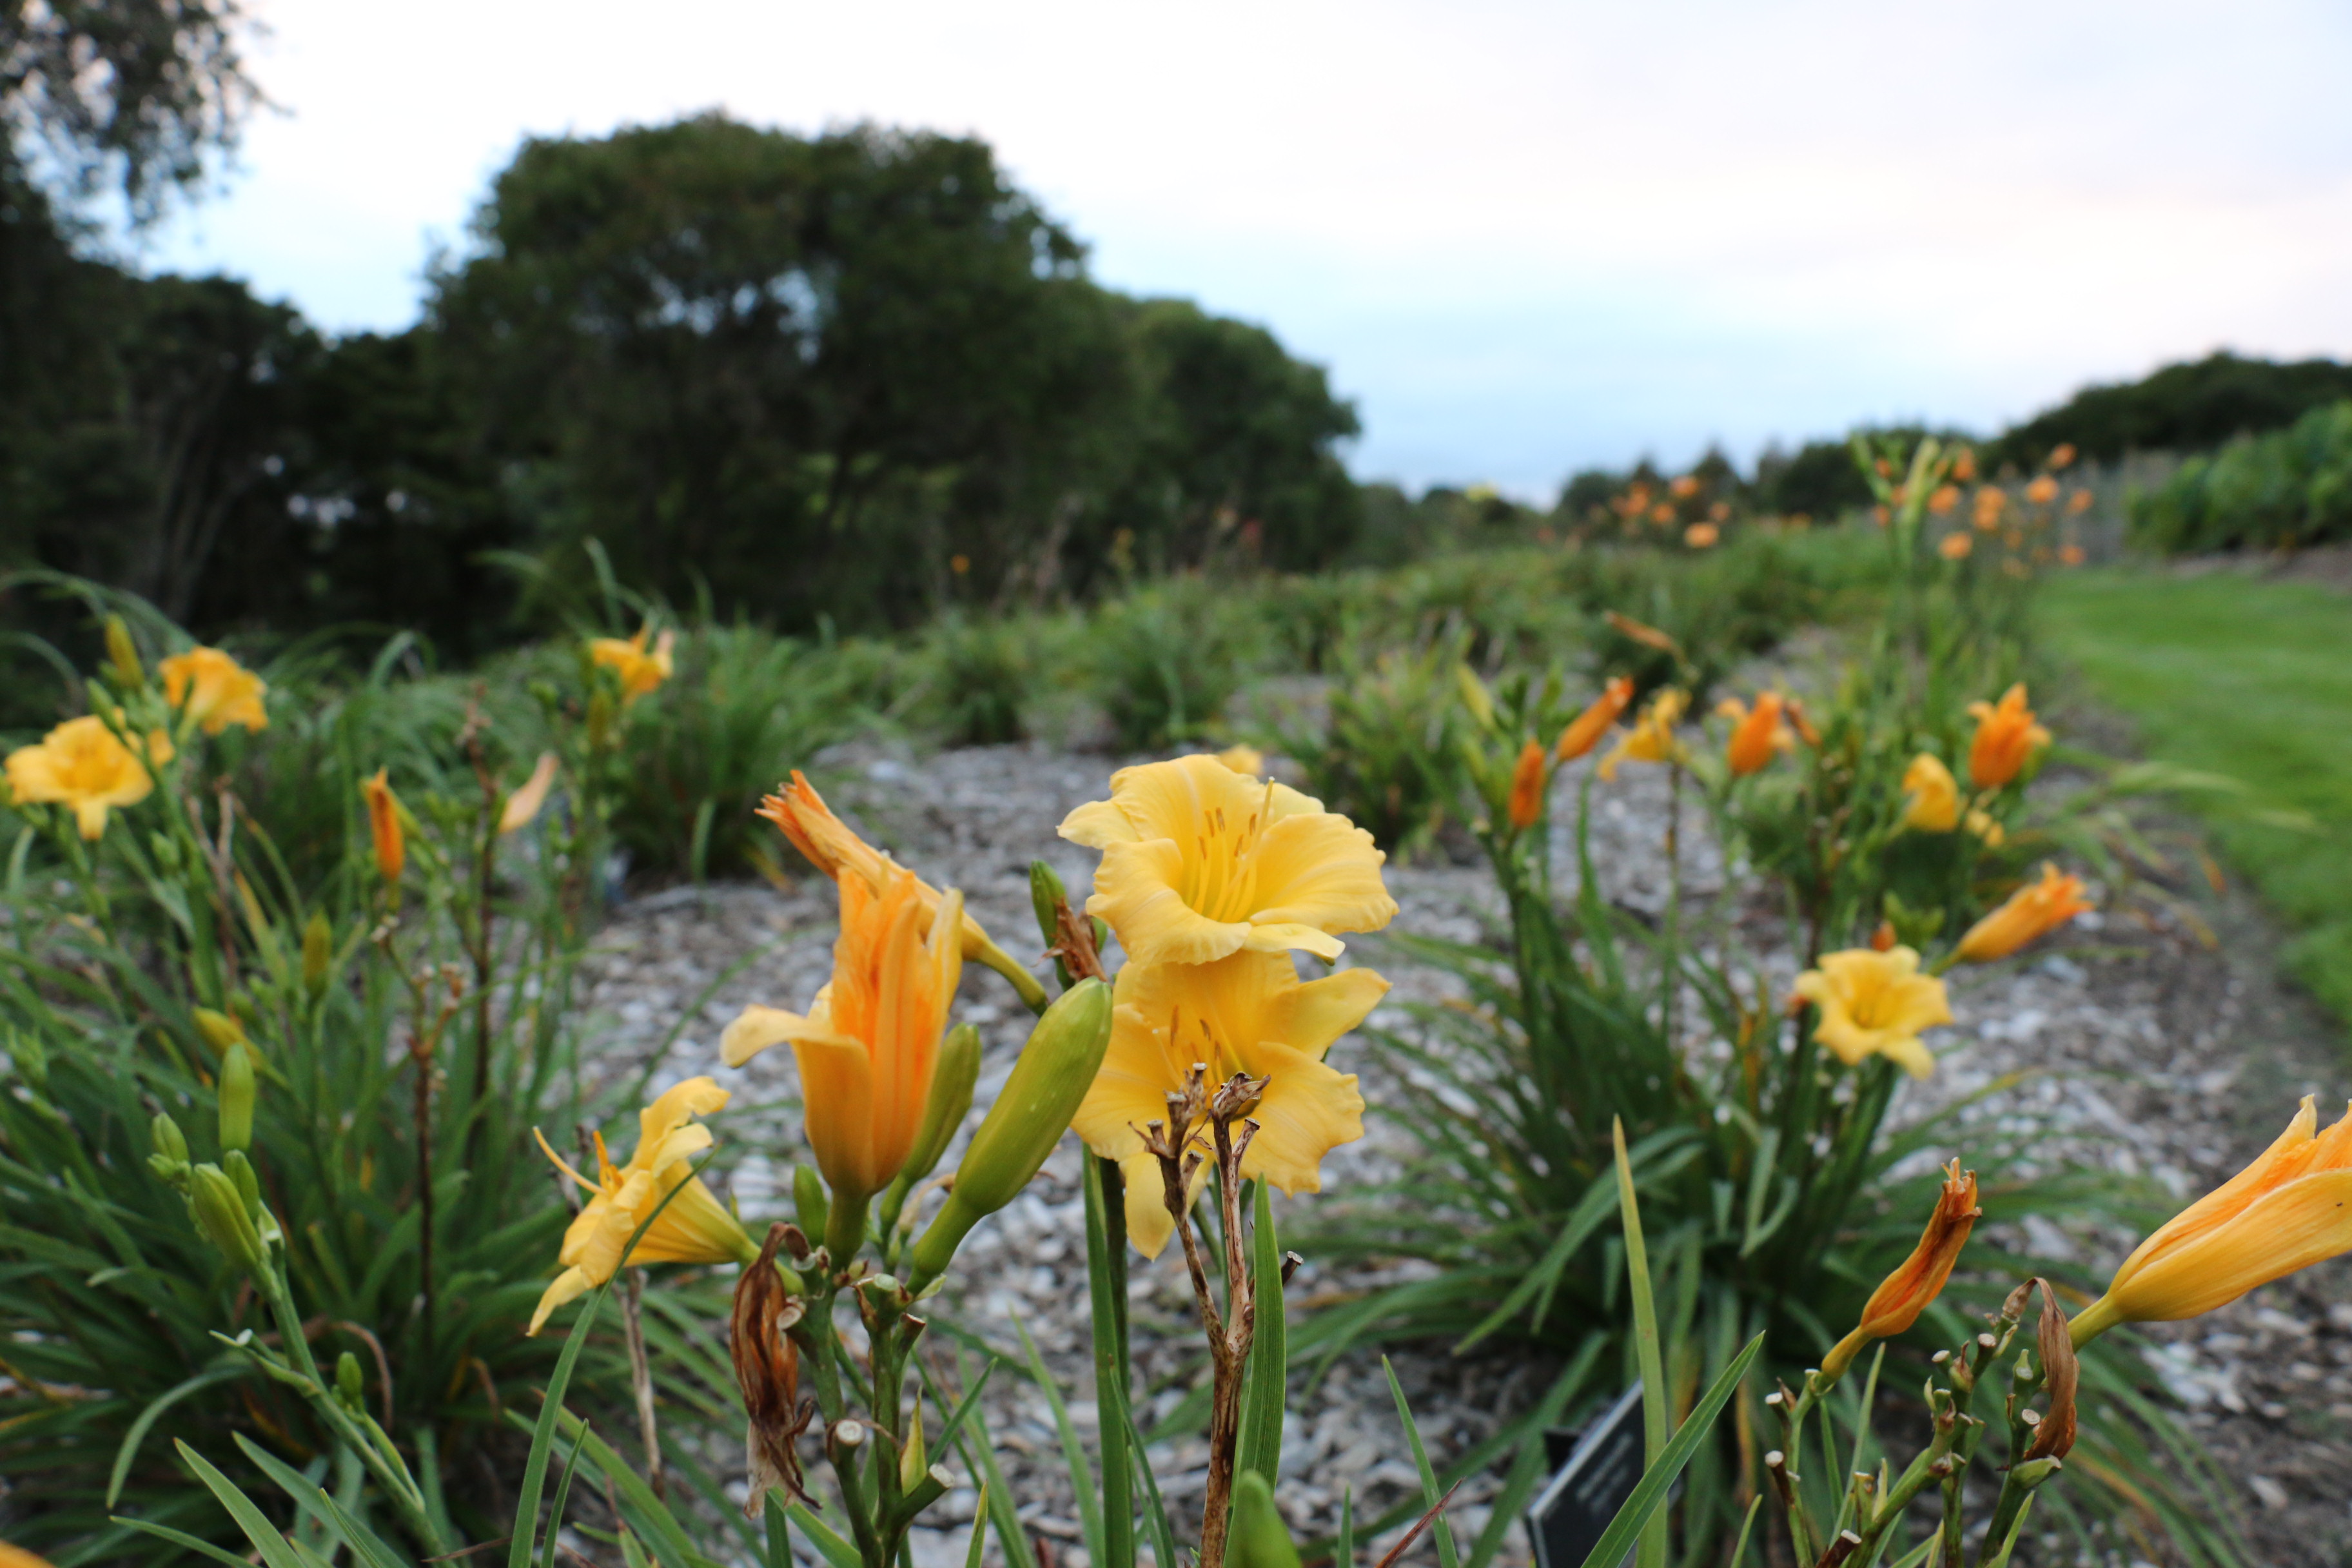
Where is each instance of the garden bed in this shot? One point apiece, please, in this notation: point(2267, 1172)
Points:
point(2149, 1052)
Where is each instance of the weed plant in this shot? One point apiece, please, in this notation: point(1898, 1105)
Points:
point(1387, 751)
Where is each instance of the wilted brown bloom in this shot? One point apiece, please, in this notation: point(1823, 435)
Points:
point(2054, 1438)
point(768, 1372)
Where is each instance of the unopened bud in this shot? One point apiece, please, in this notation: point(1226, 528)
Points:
point(952, 1078)
point(170, 1160)
point(2028, 1474)
point(248, 1185)
point(1256, 1537)
point(913, 1465)
point(1055, 1070)
point(123, 654)
point(236, 1097)
point(809, 1200)
point(219, 1029)
point(218, 1209)
point(318, 952)
point(1047, 894)
point(348, 1384)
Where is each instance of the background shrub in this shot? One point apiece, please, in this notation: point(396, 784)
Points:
point(2287, 489)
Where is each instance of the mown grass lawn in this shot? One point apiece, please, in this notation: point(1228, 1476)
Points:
point(2248, 677)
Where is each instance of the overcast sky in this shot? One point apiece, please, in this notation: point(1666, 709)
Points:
point(1524, 236)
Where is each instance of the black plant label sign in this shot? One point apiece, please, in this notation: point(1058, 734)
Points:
point(1601, 1472)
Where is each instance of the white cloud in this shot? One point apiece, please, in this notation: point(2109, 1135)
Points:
point(1523, 236)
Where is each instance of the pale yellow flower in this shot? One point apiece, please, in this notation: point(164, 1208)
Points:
point(1245, 1014)
point(1246, 760)
point(1199, 862)
point(869, 1045)
point(695, 1227)
point(1651, 738)
point(1931, 801)
point(2288, 1210)
point(214, 690)
point(525, 803)
point(82, 765)
point(641, 670)
point(1875, 1004)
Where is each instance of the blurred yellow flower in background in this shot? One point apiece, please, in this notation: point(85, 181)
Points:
point(524, 804)
point(1246, 760)
point(1651, 738)
point(2028, 912)
point(1245, 1014)
point(2290, 1208)
point(84, 766)
point(1199, 861)
point(695, 1227)
point(642, 669)
point(869, 1043)
point(1931, 800)
point(214, 690)
point(1875, 1004)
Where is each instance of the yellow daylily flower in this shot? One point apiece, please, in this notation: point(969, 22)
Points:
point(1651, 738)
point(83, 765)
point(1246, 760)
point(214, 690)
point(18, 1557)
point(2006, 738)
point(1875, 1004)
point(641, 670)
point(695, 1227)
point(1247, 1012)
point(869, 1045)
point(1984, 824)
point(2288, 1210)
point(1199, 862)
point(2030, 911)
point(1931, 800)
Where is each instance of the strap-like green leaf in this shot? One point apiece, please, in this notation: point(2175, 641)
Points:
point(1650, 1492)
point(1266, 1381)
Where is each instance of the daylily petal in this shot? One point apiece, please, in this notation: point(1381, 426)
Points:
point(1307, 1110)
point(568, 1286)
point(2305, 1221)
point(1328, 874)
point(1135, 893)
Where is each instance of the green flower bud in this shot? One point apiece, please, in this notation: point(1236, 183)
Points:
point(236, 1097)
point(123, 654)
point(318, 952)
point(1045, 891)
point(219, 1210)
point(348, 1384)
point(248, 1185)
point(810, 1202)
point(1055, 1070)
point(951, 1083)
point(170, 1143)
point(219, 1030)
point(1255, 1536)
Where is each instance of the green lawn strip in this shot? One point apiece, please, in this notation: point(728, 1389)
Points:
point(2248, 677)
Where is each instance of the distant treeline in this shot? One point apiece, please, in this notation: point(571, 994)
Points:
point(2182, 408)
point(841, 379)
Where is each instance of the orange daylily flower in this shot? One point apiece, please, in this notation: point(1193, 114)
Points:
point(1954, 546)
point(1529, 776)
point(2032, 911)
point(1702, 535)
point(868, 1046)
point(1757, 734)
point(1584, 731)
point(1899, 1299)
point(2290, 1208)
point(384, 826)
point(2006, 736)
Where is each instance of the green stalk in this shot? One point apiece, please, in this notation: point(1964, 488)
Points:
point(1652, 1552)
point(1107, 1284)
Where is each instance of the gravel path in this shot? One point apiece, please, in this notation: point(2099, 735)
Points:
point(2152, 1053)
